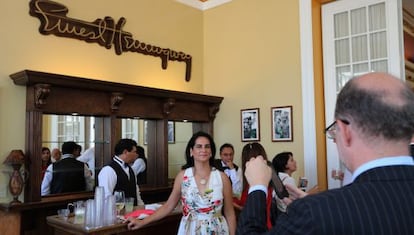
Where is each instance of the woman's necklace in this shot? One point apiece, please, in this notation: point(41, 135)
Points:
point(203, 180)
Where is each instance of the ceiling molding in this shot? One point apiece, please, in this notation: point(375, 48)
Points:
point(203, 4)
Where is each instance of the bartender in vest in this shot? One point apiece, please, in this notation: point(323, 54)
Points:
point(67, 174)
point(118, 175)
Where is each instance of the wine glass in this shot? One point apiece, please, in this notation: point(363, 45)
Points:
point(119, 201)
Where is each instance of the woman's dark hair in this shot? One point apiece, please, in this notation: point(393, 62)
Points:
point(280, 160)
point(249, 151)
point(141, 152)
point(189, 159)
point(50, 158)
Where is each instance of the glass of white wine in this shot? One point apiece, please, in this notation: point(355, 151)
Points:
point(119, 201)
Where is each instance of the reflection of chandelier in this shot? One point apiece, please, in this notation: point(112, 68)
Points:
point(16, 160)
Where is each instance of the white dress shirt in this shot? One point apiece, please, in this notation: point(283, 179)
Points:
point(107, 179)
point(138, 166)
point(236, 177)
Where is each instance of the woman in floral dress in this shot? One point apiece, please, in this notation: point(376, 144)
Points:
point(205, 193)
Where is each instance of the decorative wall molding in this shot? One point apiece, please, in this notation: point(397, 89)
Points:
point(106, 32)
point(168, 106)
point(203, 4)
point(116, 100)
point(41, 93)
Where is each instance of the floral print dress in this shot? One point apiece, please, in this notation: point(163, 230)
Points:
point(202, 213)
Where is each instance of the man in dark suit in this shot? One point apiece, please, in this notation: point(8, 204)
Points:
point(374, 122)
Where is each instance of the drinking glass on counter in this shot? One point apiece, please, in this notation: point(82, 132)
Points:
point(119, 201)
point(129, 205)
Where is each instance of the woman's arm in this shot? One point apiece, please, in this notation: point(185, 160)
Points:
point(164, 210)
point(228, 204)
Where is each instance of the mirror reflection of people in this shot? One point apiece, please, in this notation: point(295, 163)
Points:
point(56, 154)
point(226, 164)
point(67, 174)
point(46, 159)
point(77, 151)
point(372, 128)
point(118, 174)
point(88, 157)
point(139, 166)
point(204, 191)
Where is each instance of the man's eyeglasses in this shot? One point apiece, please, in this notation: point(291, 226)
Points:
point(330, 131)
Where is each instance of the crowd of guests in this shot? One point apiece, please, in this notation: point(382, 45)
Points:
point(373, 147)
point(70, 170)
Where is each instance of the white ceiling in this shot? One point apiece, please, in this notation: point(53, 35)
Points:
point(204, 4)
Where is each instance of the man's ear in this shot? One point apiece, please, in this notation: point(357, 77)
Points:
point(345, 132)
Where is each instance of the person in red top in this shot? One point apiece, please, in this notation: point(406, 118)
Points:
point(46, 159)
point(249, 151)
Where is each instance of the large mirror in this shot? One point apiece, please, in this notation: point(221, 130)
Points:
point(182, 132)
point(178, 135)
point(58, 129)
point(101, 107)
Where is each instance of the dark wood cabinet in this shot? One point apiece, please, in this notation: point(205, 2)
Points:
point(48, 93)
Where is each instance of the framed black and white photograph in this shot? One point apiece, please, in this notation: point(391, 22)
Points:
point(250, 126)
point(171, 132)
point(282, 126)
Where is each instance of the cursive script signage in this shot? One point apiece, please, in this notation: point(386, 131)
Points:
point(105, 32)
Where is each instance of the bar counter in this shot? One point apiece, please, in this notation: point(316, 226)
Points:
point(168, 225)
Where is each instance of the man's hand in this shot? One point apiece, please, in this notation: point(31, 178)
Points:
point(230, 164)
point(258, 172)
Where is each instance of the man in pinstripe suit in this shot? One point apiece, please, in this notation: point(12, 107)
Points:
point(374, 123)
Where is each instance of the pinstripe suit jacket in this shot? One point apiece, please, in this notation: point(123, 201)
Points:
point(379, 201)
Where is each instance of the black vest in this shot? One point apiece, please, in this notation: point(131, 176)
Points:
point(123, 183)
point(68, 176)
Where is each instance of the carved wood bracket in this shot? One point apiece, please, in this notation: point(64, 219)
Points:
point(116, 100)
point(168, 106)
point(212, 111)
point(41, 93)
point(105, 32)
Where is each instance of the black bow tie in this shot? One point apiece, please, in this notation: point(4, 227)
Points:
point(226, 168)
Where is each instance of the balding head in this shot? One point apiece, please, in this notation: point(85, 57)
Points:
point(378, 104)
point(390, 87)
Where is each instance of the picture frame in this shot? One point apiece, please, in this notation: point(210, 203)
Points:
point(282, 124)
point(171, 132)
point(250, 124)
